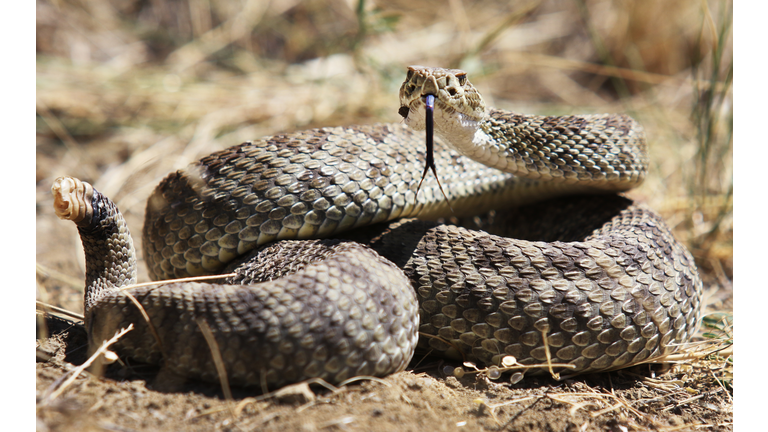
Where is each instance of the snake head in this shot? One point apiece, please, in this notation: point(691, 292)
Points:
point(453, 92)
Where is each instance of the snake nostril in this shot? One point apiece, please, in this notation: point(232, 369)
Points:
point(403, 111)
point(451, 91)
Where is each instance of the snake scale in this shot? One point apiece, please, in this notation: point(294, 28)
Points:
point(598, 278)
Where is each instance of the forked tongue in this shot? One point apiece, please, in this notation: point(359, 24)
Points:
point(430, 162)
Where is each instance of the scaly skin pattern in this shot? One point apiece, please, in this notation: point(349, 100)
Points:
point(625, 293)
point(600, 278)
point(342, 312)
point(310, 184)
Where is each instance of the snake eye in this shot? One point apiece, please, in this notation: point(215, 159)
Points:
point(462, 79)
point(403, 111)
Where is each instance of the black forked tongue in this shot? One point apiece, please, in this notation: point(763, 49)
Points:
point(430, 162)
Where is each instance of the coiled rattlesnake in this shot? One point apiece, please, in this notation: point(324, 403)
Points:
point(601, 277)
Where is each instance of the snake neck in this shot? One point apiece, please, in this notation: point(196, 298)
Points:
point(593, 152)
point(110, 258)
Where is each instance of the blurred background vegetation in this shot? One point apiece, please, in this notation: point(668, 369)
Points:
point(129, 90)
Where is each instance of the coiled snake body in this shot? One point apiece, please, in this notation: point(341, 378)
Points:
point(599, 278)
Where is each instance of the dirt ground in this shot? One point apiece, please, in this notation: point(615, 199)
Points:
point(421, 398)
point(130, 91)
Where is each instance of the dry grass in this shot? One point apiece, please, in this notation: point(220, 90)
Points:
point(128, 91)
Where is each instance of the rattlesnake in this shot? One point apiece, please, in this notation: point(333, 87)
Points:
point(599, 278)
